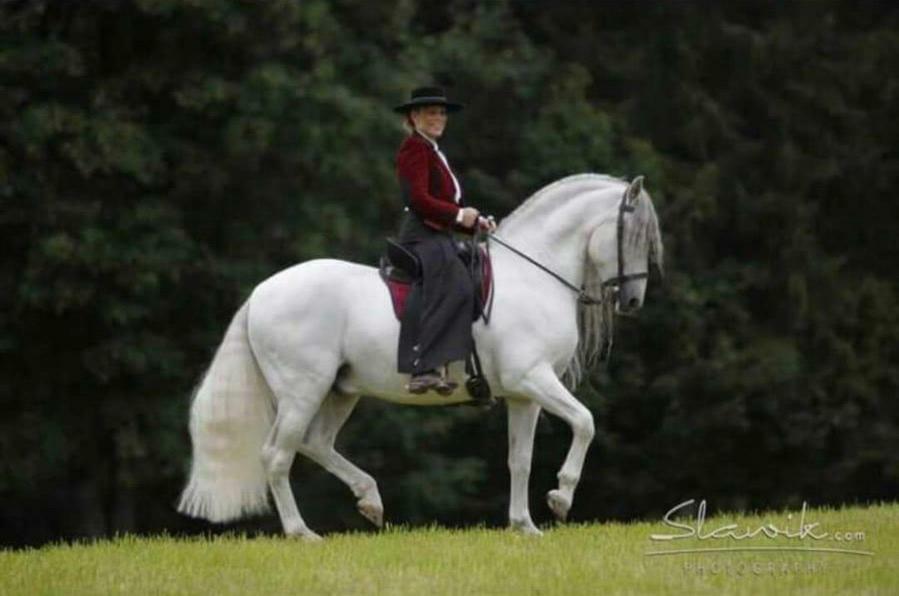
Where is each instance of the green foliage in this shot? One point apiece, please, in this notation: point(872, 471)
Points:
point(159, 158)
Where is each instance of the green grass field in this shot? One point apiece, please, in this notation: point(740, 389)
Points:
point(568, 559)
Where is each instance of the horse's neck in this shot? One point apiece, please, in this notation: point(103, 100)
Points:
point(556, 233)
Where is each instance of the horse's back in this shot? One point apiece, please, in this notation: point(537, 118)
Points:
point(309, 304)
point(319, 279)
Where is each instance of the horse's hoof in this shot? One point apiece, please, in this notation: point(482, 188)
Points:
point(304, 534)
point(559, 504)
point(373, 512)
point(527, 528)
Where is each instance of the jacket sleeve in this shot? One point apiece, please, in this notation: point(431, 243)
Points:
point(414, 172)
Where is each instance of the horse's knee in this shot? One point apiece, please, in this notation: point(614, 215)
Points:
point(583, 426)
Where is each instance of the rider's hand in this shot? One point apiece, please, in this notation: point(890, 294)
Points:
point(486, 223)
point(470, 217)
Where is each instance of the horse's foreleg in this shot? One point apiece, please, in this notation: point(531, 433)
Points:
point(544, 387)
point(522, 424)
point(318, 446)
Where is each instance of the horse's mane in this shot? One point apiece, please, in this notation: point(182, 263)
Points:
point(595, 329)
point(595, 322)
point(536, 200)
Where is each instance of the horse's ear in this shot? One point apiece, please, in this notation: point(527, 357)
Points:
point(633, 190)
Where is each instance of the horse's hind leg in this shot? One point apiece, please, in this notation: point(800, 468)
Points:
point(296, 409)
point(318, 445)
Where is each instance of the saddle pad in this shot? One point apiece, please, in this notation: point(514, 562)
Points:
point(399, 290)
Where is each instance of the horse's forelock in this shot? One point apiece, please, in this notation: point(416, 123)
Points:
point(644, 229)
point(654, 236)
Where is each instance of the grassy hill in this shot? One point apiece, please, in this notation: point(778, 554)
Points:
point(606, 558)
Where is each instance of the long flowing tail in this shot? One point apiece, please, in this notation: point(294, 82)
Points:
point(231, 413)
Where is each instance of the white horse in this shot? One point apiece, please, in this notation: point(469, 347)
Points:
point(313, 338)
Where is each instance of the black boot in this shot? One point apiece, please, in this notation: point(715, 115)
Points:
point(423, 382)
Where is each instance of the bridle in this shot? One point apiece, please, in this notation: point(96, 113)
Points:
point(622, 278)
point(582, 296)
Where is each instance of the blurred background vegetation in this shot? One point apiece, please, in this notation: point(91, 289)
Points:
point(159, 158)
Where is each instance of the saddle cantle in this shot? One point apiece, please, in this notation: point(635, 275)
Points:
point(403, 259)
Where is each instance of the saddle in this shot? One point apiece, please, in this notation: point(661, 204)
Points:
point(400, 270)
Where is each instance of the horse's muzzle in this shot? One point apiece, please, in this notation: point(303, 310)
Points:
point(627, 308)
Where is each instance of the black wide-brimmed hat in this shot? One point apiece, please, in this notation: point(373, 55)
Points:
point(427, 96)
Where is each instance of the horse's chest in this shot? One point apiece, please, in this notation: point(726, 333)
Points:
point(544, 326)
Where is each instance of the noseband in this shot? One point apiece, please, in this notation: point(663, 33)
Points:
point(582, 296)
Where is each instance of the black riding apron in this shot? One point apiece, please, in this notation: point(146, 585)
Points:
point(436, 326)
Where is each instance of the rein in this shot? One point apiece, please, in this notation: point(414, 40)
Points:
point(582, 296)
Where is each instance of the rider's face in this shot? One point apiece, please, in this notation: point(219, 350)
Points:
point(430, 120)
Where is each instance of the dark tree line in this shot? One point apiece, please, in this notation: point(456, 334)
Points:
point(158, 158)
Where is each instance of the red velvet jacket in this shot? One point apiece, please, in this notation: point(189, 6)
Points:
point(427, 185)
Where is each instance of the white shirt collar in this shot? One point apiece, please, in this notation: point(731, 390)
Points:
point(458, 187)
point(428, 139)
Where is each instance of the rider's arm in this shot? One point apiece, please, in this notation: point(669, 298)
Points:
point(414, 174)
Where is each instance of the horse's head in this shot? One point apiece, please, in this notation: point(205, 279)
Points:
point(623, 247)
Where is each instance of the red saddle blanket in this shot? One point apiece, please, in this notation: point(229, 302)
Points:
point(399, 290)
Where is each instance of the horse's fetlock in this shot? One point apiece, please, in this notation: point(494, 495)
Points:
point(568, 480)
point(364, 487)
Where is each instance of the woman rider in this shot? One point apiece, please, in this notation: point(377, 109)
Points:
point(434, 209)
